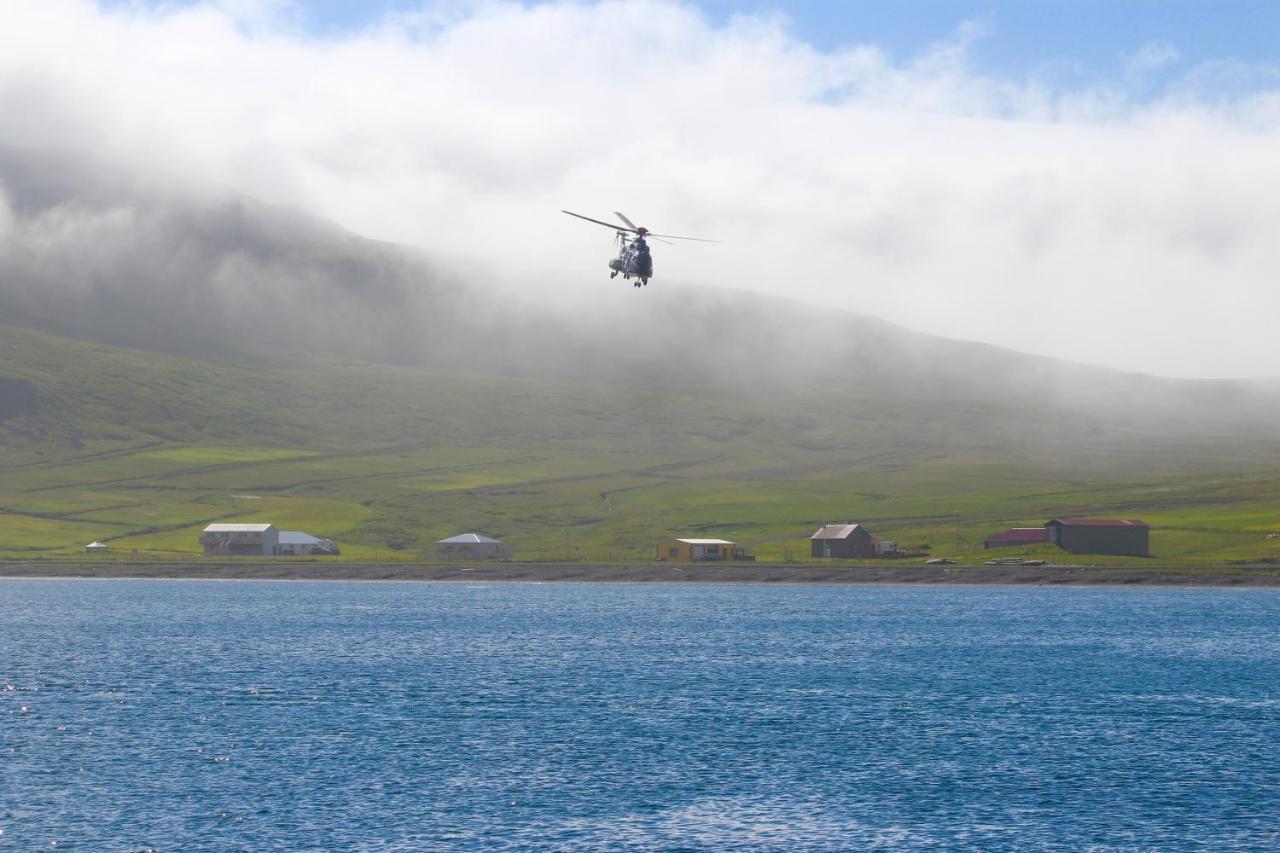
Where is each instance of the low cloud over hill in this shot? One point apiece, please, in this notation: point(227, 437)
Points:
point(100, 255)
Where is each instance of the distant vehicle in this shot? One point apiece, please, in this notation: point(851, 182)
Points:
point(634, 259)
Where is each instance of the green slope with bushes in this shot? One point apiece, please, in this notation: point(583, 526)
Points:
point(142, 449)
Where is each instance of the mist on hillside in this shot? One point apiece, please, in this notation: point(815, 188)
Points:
point(89, 252)
point(1103, 224)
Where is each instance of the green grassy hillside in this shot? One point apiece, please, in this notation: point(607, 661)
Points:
point(142, 449)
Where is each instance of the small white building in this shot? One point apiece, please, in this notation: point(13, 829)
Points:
point(692, 550)
point(240, 540)
point(96, 547)
point(295, 543)
point(473, 546)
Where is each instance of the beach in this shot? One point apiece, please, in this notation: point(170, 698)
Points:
point(656, 572)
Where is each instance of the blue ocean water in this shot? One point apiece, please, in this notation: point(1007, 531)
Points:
point(187, 715)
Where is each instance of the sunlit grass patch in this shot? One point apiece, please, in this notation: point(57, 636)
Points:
point(318, 516)
point(213, 455)
point(20, 533)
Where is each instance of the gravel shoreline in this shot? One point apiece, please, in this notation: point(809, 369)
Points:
point(1075, 575)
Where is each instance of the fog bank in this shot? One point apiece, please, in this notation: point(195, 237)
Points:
point(1096, 225)
point(88, 252)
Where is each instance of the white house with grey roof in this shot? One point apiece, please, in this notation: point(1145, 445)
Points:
point(474, 546)
point(240, 540)
point(296, 543)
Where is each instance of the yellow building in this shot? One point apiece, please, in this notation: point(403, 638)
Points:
point(691, 550)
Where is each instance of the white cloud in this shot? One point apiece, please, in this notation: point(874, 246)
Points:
point(1081, 224)
point(1152, 56)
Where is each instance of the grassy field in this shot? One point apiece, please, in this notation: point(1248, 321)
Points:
point(141, 450)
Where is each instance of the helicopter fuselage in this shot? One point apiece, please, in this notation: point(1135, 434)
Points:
point(633, 262)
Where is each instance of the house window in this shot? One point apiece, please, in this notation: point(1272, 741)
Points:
point(673, 552)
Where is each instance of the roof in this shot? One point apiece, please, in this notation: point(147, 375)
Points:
point(1097, 522)
point(297, 537)
point(238, 528)
point(705, 541)
point(97, 546)
point(835, 531)
point(1018, 535)
point(469, 539)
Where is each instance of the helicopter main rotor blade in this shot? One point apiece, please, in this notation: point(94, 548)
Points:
point(635, 228)
point(695, 239)
point(598, 222)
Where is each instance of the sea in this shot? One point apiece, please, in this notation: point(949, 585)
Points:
point(250, 715)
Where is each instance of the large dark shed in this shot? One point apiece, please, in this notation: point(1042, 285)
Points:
point(847, 541)
point(1122, 536)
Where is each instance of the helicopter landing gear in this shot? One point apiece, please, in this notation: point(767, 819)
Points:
point(613, 274)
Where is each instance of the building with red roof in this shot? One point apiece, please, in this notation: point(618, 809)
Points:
point(1017, 536)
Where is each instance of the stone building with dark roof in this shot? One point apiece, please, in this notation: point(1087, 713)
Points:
point(843, 541)
point(1126, 537)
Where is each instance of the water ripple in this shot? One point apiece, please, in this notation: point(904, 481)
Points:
point(160, 716)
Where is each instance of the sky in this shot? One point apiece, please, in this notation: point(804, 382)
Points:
point(1081, 38)
point(1087, 180)
point(1066, 41)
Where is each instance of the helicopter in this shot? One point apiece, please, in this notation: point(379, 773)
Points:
point(634, 260)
